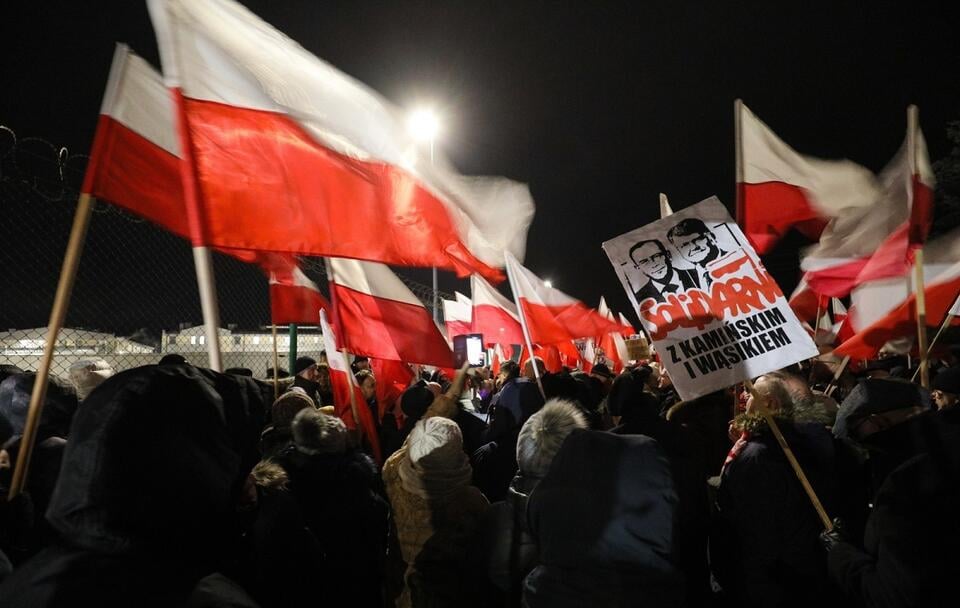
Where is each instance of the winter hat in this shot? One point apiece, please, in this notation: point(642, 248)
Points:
point(947, 381)
point(316, 433)
point(601, 369)
point(415, 400)
point(288, 405)
point(88, 375)
point(172, 359)
point(543, 434)
point(873, 397)
point(303, 363)
point(435, 465)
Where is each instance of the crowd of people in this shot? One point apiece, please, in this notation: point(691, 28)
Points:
point(173, 485)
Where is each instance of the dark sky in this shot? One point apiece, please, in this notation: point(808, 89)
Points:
point(598, 106)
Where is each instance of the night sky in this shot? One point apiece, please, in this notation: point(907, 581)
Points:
point(597, 106)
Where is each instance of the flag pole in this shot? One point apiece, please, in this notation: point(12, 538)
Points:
point(811, 494)
point(919, 287)
point(946, 323)
point(276, 364)
point(61, 301)
point(202, 260)
point(523, 323)
point(836, 376)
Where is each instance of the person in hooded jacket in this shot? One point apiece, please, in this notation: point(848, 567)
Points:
point(639, 413)
point(330, 520)
point(145, 505)
point(603, 519)
point(278, 435)
point(436, 509)
point(764, 544)
point(907, 554)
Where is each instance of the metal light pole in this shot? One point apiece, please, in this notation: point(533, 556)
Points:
point(423, 126)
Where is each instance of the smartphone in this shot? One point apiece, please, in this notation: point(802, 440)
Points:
point(468, 347)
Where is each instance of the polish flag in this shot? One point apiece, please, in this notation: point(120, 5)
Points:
point(628, 329)
point(824, 334)
point(876, 242)
point(885, 309)
point(779, 188)
point(294, 298)
point(841, 328)
point(380, 317)
point(551, 315)
point(281, 139)
point(589, 355)
point(393, 377)
point(498, 358)
point(494, 316)
point(456, 316)
point(343, 383)
point(806, 303)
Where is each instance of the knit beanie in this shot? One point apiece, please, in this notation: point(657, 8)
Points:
point(316, 433)
point(435, 465)
point(543, 433)
point(287, 405)
point(303, 363)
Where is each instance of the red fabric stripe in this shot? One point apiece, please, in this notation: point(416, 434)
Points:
point(770, 209)
point(268, 185)
point(295, 304)
point(341, 385)
point(901, 321)
point(458, 328)
point(387, 329)
point(393, 377)
point(555, 324)
point(134, 173)
point(496, 325)
point(836, 281)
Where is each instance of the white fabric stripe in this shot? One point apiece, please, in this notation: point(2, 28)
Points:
point(955, 309)
point(462, 298)
point(531, 288)
point(456, 311)
point(833, 185)
point(485, 294)
point(335, 358)
point(372, 279)
point(218, 50)
point(136, 98)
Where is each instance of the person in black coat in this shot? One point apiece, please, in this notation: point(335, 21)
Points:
point(603, 521)
point(764, 545)
point(145, 505)
point(909, 545)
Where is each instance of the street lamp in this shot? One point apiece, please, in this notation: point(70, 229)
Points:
point(548, 283)
point(424, 125)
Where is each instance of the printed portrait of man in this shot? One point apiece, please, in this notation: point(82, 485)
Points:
point(653, 260)
point(698, 245)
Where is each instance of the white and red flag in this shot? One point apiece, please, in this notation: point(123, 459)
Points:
point(380, 317)
point(842, 329)
point(494, 316)
point(779, 188)
point(551, 315)
point(807, 303)
point(885, 309)
point(456, 315)
point(281, 139)
point(628, 329)
point(294, 298)
point(343, 384)
point(393, 377)
point(876, 242)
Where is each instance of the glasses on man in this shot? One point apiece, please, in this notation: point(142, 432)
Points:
point(654, 260)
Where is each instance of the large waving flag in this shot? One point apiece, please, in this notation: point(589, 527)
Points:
point(343, 384)
point(552, 316)
point(493, 315)
point(456, 315)
point(885, 309)
point(380, 317)
point(806, 303)
point(875, 242)
point(393, 377)
point(281, 139)
point(779, 188)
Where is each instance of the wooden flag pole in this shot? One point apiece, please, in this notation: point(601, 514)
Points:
point(523, 326)
point(836, 376)
point(946, 323)
point(811, 494)
point(276, 364)
point(353, 396)
point(919, 288)
point(61, 301)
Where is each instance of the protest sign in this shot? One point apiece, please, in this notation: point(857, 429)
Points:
point(714, 314)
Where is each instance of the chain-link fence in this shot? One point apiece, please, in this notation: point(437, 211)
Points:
point(135, 298)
